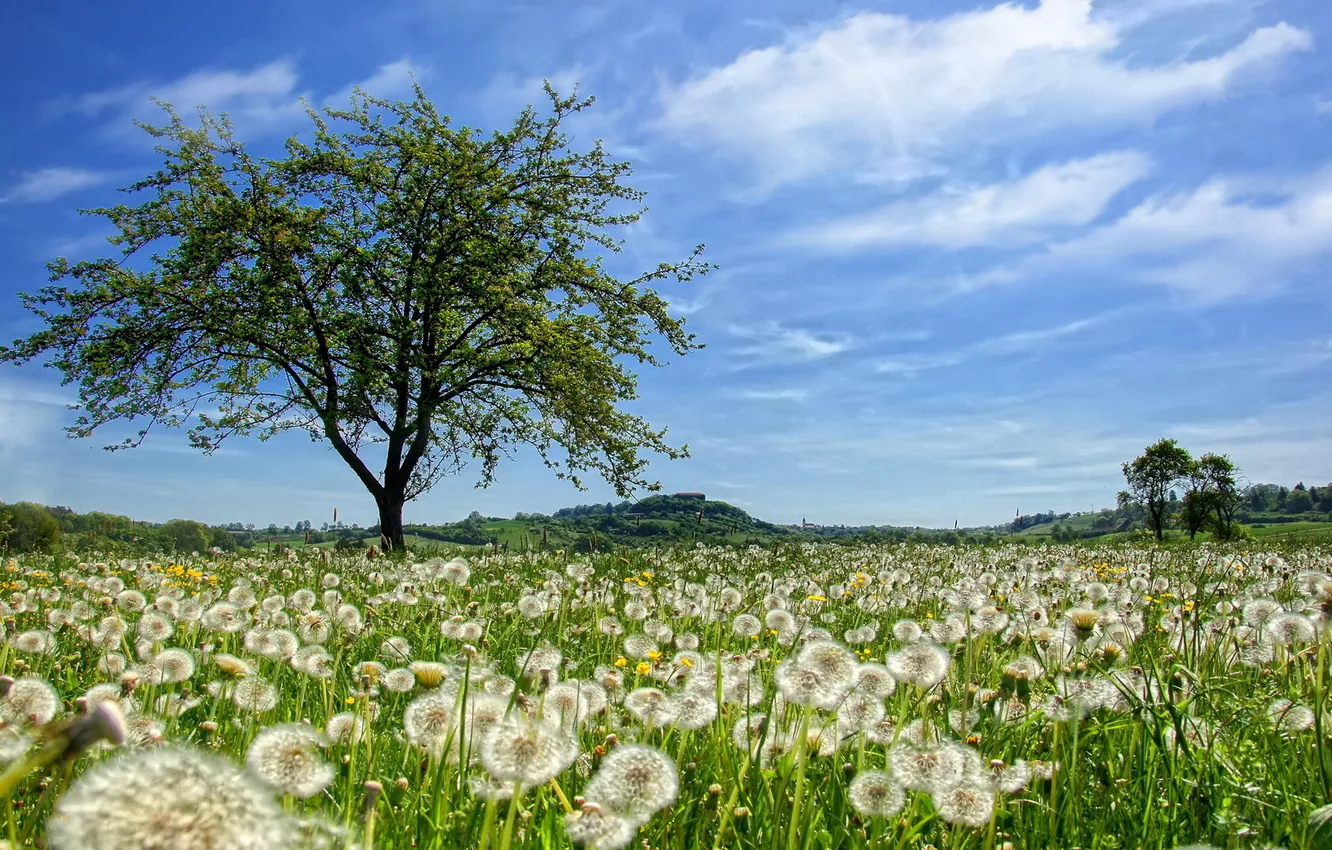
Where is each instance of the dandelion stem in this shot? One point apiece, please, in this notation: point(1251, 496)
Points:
point(506, 838)
point(488, 822)
point(793, 831)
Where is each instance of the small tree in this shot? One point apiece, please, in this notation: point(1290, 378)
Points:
point(1224, 495)
point(416, 295)
point(1195, 512)
point(1195, 508)
point(1152, 476)
point(186, 535)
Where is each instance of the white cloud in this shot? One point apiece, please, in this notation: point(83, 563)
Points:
point(47, 184)
point(789, 394)
point(1022, 462)
point(772, 341)
point(265, 98)
point(1228, 238)
point(27, 414)
point(1037, 490)
point(1020, 210)
point(911, 365)
point(1020, 342)
point(391, 81)
point(263, 95)
point(1013, 343)
point(889, 94)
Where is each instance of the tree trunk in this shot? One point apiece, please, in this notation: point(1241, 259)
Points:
point(1157, 514)
point(390, 523)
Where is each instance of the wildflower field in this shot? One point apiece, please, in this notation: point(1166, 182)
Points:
point(810, 697)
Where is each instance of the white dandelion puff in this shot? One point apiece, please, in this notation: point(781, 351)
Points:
point(634, 781)
point(168, 797)
point(873, 793)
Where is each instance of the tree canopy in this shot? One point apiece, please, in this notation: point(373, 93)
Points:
point(419, 296)
point(1152, 476)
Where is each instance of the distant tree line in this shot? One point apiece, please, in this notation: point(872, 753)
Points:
point(1276, 499)
point(29, 527)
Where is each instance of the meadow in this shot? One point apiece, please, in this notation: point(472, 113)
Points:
point(787, 698)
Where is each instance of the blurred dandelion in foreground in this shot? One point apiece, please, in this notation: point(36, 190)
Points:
point(168, 797)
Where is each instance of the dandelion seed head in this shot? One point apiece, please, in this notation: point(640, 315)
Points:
point(30, 701)
point(634, 781)
point(345, 727)
point(224, 618)
point(155, 627)
point(597, 829)
point(925, 768)
point(746, 625)
point(1288, 628)
point(396, 650)
point(907, 631)
point(255, 695)
point(399, 680)
point(173, 665)
point(874, 680)
point(35, 642)
point(922, 664)
point(287, 758)
point(168, 797)
point(874, 794)
point(526, 750)
point(543, 657)
point(694, 710)
point(969, 804)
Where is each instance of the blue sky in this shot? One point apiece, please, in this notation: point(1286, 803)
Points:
point(973, 256)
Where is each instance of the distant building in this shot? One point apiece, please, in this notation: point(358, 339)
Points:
point(689, 495)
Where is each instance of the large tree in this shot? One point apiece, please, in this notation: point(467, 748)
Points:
point(420, 296)
point(1152, 476)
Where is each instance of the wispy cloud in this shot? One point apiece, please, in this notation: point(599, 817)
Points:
point(1020, 342)
point(262, 99)
point(878, 92)
point(28, 413)
point(776, 342)
point(1228, 238)
point(1025, 209)
point(47, 184)
point(787, 394)
point(1011, 344)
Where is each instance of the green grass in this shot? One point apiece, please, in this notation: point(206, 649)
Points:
point(1302, 531)
point(1174, 743)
